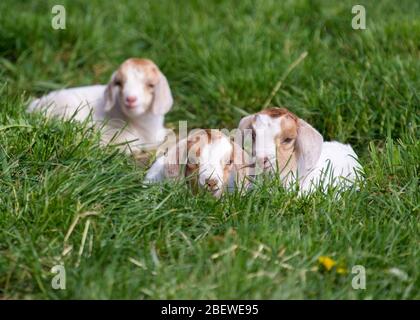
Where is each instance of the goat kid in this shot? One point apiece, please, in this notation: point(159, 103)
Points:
point(284, 143)
point(211, 159)
point(130, 109)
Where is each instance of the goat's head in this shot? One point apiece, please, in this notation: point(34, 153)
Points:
point(282, 141)
point(138, 86)
point(211, 161)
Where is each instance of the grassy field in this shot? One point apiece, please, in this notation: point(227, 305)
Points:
point(222, 59)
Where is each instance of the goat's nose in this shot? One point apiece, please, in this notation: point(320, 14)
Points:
point(266, 162)
point(131, 99)
point(211, 183)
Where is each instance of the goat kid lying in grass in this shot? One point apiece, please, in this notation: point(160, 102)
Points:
point(211, 160)
point(130, 108)
point(284, 143)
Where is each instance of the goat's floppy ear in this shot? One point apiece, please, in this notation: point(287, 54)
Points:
point(309, 146)
point(110, 94)
point(176, 155)
point(163, 100)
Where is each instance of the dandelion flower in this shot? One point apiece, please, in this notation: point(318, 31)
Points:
point(326, 262)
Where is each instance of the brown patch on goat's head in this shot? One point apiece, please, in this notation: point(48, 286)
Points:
point(148, 67)
point(286, 142)
point(275, 112)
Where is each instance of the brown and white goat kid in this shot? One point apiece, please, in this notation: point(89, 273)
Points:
point(130, 108)
point(211, 161)
point(284, 143)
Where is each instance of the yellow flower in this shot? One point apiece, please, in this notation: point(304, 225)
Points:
point(326, 262)
point(341, 270)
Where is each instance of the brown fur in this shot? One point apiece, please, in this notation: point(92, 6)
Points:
point(145, 65)
point(276, 112)
point(285, 141)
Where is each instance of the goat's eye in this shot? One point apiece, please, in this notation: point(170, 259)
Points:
point(118, 82)
point(151, 85)
point(287, 140)
point(230, 162)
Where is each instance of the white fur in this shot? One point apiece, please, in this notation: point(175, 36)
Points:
point(337, 167)
point(156, 172)
point(137, 125)
point(66, 103)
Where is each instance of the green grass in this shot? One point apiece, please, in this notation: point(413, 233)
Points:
point(222, 58)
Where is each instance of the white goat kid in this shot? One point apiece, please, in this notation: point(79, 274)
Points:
point(211, 159)
point(282, 142)
point(130, 109)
